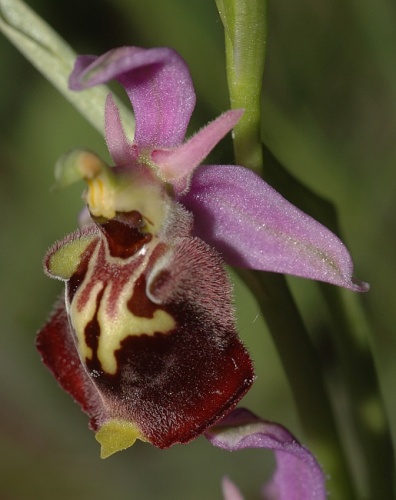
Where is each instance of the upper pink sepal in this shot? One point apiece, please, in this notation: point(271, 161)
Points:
point(158, 84)
point(253, 226)
point(229, 490)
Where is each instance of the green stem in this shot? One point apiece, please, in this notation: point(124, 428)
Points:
point(304, 372)
point(245, 30)
point(365, 404)
point(245, 37)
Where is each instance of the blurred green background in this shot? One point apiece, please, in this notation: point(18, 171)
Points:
point(329, 115)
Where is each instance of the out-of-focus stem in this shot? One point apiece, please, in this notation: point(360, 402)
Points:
point(245, 35)
point(304, 372)
point(54, 58)
point(365, 404)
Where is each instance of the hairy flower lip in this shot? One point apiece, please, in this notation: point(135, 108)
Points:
point(183, 369)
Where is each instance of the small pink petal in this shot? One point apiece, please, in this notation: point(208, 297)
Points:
point(121, 150)
point(229, 489)
point(253, 226)
point(158, 84)
point(180, 162)
point(298, 476)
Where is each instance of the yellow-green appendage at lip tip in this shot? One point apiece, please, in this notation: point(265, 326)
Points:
point(117, 435)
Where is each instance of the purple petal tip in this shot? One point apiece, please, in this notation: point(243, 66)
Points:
point(298, 476)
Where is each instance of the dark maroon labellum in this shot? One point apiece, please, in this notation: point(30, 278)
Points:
point(149, 335)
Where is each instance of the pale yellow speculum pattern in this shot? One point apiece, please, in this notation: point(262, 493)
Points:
point(116, 323)
point(64, 262)
point(121, 324)
point(117, 435)
point(111, 338)
point(80, 317)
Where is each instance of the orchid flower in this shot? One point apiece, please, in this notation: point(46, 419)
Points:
point(145, 338)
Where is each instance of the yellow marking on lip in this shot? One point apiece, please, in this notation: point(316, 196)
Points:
point(115, 321)
point(115, 324)
point(80, 319)
point(125, 324)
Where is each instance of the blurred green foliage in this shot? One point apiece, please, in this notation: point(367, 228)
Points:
point(329, 115)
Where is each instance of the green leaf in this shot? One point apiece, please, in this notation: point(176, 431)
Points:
point(54, 58)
